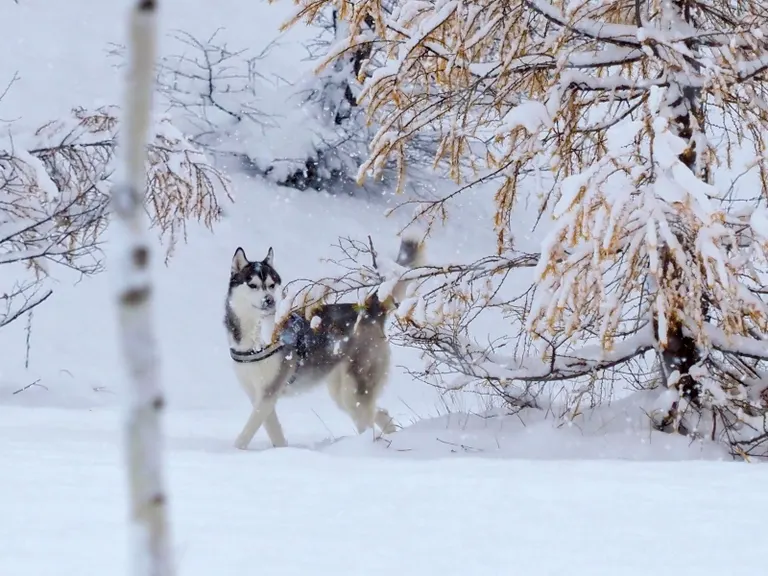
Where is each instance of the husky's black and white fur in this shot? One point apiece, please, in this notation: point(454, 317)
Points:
point(344, 345)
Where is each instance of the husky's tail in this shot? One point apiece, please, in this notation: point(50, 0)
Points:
point(411, 255)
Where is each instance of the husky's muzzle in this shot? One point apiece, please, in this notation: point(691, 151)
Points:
point(268, 302)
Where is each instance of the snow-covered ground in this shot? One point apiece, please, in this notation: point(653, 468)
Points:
point(452, 493)
point(296, 511)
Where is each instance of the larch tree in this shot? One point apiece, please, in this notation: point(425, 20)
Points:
point(640, 125)
point(151, 550)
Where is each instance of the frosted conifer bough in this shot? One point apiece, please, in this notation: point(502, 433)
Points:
point(150, 553)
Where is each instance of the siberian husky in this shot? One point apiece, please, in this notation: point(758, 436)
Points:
point(344, 344)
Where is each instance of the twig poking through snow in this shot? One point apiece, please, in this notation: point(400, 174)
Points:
point(28, 386)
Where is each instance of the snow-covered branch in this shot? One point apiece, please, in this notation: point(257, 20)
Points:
point(54, 200)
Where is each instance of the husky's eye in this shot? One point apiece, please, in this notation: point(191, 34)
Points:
point(254, 286)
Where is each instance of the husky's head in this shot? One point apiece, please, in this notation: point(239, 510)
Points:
point(254, 284)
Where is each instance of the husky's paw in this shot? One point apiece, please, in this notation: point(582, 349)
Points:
point(241, 443)
point(385, 422)
point(389, 428)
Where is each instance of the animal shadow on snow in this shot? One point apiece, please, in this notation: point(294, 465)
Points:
point(224, 445)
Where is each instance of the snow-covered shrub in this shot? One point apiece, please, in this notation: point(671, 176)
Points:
point(55, 201)
point(634, 119)
point(306, 134)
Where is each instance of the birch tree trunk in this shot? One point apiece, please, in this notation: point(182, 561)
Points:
point(150, 554)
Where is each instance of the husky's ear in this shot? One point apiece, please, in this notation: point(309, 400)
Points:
point(270, 256)
point(239, 260)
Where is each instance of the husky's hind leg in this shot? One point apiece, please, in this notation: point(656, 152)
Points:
point(362, 392)
point(365, 414)
point(342, 387)
point(370, 372)
point(356, 392)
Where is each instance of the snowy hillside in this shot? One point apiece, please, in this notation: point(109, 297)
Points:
point(453, 492)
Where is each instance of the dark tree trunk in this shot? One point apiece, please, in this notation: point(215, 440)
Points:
point(681, 353)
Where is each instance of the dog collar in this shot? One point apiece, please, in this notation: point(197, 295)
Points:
point(248, 356)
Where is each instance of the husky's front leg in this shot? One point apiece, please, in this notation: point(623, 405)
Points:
point(261, 411)
point(264, 413)
point(271, 425)
point(274, 430)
